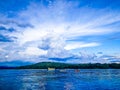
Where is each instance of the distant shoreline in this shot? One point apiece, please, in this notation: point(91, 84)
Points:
point(56, 65)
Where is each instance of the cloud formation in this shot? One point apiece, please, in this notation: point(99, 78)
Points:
point(43, 30)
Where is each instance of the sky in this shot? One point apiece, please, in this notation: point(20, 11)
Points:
point(70, 31)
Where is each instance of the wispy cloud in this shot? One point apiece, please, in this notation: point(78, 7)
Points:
point(80, 45)
point(44, 30)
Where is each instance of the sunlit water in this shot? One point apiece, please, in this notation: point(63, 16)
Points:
point(85, 79)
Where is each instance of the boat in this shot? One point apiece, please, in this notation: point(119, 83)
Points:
point(77, 70)
point(51, 69)
point(62, 70)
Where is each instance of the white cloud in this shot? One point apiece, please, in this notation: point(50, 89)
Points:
point(31, 35)
point(52, 27)
point(80, 45)
point(33, 51)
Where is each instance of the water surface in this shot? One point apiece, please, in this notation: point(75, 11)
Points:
point(85, 79)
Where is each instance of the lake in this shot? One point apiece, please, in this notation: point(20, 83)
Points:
point(41, 79)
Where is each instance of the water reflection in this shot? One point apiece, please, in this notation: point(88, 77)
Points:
point(68, 86)
point(85, 79)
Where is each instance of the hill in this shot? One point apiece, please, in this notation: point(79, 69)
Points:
point(6, 67)
point(45, 65)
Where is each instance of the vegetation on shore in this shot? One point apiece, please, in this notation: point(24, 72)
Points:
point(46, 65)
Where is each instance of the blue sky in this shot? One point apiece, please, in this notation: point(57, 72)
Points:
point(73, 31)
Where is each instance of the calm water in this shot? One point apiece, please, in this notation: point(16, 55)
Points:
point(86, 79)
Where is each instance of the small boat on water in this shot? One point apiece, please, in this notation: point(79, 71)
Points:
point(62, 70)
point(77, 70)
point(51, 69)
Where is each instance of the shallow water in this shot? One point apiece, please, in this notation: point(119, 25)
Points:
point(85, 79)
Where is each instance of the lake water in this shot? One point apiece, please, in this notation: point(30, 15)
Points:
point(85, 79)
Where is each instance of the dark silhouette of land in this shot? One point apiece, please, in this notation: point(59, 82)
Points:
point(57, 65)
